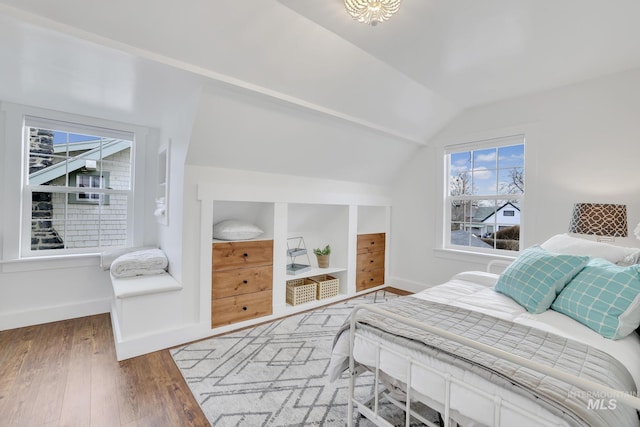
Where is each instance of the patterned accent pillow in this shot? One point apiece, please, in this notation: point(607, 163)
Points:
point(537, 276)
point(604, 297)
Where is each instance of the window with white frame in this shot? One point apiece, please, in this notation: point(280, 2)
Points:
point(63, 162)
point(484, 195)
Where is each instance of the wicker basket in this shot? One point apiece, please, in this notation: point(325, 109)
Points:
point(328, 286)
point(300, 291)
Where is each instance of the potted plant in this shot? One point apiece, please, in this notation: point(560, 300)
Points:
point(323, 256)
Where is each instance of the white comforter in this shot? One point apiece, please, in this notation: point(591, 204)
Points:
point(474, 291)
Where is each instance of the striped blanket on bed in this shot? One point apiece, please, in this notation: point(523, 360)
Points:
point(560, 398)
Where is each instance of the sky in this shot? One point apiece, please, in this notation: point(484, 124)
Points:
point(489, 168)
point(61, 137)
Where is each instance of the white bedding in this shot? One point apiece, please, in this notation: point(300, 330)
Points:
point(474, 291)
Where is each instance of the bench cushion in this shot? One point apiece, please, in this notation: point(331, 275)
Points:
point(126, 287)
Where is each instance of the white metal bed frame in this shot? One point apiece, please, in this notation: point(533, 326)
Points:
point(498, 402)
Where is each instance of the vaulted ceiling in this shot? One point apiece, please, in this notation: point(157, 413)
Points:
point(406, 77)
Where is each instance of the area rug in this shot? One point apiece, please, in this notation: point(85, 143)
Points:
point(275, 374)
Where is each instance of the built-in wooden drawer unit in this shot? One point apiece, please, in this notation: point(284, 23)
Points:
point(241, 281)
point(370, 242)
point(227, 255)
point(226, 311)
point(370, 261)
point(369, 278)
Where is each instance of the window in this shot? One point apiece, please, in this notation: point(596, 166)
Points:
point(484, 194)
point(85, 179)
point(65, 160)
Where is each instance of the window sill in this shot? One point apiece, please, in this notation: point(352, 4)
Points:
point(471, 256)
point(49, 263)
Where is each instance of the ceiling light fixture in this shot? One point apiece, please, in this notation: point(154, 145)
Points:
point(371, 11)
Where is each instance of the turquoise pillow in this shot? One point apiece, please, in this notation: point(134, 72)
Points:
point(537, 276)
point(605, 297)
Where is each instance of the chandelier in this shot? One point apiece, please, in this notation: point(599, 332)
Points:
point(371, 11)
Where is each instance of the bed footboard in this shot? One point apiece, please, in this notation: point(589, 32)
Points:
point(370, 409)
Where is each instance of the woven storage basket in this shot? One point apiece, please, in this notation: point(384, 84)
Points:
point(300, 291)
point(328, 286)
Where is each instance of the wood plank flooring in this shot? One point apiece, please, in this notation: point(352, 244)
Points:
point(66, 374)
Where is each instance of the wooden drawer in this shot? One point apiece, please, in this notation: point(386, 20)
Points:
point(240, 281)
point(370, 242)
point(369, 278)
point(370, 260)
point(242, 254)
point(225, 311)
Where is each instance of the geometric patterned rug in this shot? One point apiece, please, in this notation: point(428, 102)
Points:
point(275, 374)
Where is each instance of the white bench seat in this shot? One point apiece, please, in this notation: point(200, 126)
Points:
point(127, 287)
point(143, 311)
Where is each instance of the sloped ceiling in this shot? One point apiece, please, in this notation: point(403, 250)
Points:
point(472, 52)
point(402, 80)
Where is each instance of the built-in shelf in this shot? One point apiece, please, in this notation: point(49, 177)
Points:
point(290, 309)
point(315, 271)
point(333, 221)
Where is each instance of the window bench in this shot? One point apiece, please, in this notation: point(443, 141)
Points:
point(143, 308)
point(127, 287)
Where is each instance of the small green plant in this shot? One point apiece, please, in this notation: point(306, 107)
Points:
point(325, 251)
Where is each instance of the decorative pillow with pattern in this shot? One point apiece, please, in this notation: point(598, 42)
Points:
point(604, 297)
point(537, 276)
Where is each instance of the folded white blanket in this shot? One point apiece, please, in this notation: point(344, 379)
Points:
point(140, 263)
point(107, 257)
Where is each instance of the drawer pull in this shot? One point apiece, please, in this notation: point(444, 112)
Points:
point(371, 261)
point(245, 307)
point(245, 255)
point(371, 279)
point(245, 281)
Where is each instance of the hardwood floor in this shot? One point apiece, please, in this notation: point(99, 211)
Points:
point(66, 374)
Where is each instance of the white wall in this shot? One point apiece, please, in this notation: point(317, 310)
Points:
point(237, 129)
point(176, 133)
point(582, 145)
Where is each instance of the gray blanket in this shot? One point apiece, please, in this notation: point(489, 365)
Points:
point(560, 398)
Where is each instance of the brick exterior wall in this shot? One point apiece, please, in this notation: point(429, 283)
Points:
point(43, 234)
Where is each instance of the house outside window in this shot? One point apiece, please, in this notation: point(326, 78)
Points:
point(89, 179)
point(64, 160)
point(484, 195)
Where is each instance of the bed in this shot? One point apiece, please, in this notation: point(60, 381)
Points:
point(481, 354)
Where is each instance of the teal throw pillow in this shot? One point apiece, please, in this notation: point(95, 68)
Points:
point(605, 297)
point(537, 276)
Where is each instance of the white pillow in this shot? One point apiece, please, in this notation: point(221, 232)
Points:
point(565, 244)
point(231, 229)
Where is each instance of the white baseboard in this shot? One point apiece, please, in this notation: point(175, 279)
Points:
point(19, 319)
point(408, 285)
point(157, 340)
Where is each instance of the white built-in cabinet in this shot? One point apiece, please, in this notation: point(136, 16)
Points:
point(321, 219)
